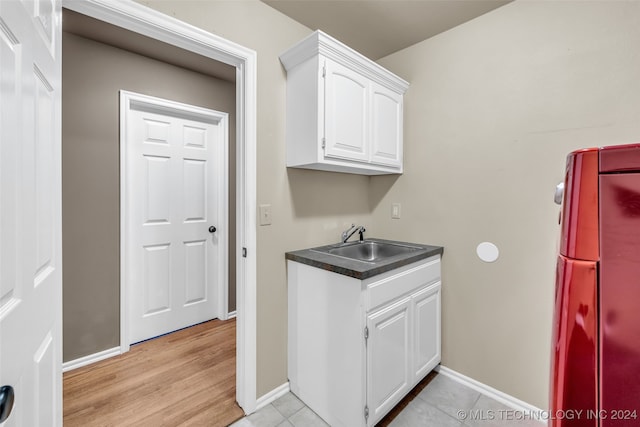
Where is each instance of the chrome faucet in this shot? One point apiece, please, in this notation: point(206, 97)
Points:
point(353, 230)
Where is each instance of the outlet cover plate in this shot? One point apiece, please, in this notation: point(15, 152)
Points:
point(395, 211)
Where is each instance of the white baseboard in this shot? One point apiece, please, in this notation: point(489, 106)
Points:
point(232, 315)
point(274, 394)
point(504, 398)
point(92, 358)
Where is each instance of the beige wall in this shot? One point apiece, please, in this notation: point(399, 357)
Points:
point(309, 207)
point(493, 108)
point(92, 75)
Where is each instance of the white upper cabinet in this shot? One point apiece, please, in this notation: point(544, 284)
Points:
point(344, 111)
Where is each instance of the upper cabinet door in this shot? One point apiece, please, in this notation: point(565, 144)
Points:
point(346, 110)
point(386, 126)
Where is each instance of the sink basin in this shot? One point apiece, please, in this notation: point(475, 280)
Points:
point(369, 251)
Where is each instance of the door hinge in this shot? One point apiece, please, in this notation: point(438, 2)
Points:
point(244, 252)
point(366, 332)
point(366, 413)
point(324, 71)
point(324, 143)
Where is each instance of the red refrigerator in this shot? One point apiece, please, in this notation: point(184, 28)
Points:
point(595, 358)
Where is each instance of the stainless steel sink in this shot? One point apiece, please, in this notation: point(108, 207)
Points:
point(368, 251)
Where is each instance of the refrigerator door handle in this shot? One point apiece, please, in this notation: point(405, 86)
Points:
point(559, 193)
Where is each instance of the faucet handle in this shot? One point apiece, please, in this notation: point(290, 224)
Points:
point(345, 234)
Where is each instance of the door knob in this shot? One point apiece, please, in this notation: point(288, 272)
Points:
point(6, 402)
point(212, 229)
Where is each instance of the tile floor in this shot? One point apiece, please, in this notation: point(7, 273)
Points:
point(441, 402)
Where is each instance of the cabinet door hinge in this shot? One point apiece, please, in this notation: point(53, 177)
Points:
point(324, 143)
point(366, 413)
point(366, 332)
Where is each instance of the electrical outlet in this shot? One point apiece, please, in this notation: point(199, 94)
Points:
point(395, 211)
point(265, 214)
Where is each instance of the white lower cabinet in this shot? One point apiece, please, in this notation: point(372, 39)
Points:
point(357, 347)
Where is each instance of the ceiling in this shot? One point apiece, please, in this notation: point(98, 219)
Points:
point(377, 28)
point(374, 28)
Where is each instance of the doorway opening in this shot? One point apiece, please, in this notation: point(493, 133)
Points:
point(238, 63)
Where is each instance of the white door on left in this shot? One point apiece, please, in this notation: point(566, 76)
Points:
point(30, 212)
point(175, 209)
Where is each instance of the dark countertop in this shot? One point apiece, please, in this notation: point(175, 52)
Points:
point(361, 269)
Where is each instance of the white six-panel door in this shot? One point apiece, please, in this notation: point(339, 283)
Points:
point(30, 211)
point(175, 196)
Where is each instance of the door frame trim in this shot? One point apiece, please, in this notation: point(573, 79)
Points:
point(141, 19)
point(157, 105)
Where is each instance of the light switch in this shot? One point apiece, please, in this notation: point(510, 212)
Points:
point(265, 214)
point(395, 211)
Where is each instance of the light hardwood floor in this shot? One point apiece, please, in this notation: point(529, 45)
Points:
point(186, 378)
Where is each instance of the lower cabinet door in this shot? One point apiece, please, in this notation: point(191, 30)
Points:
point(388, 358)
point(426, 331)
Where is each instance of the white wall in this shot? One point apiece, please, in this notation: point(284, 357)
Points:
point(493, 108)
